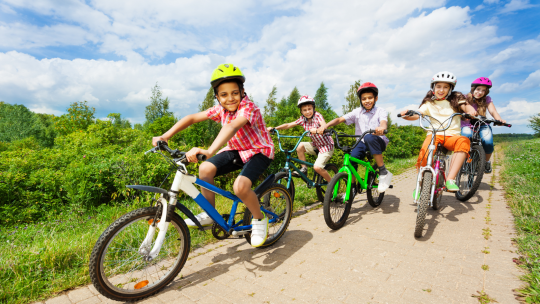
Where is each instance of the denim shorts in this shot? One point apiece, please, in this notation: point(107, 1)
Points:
point(486, 137)
point(252, 169)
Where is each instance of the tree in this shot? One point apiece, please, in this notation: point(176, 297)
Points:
point(294, 97)
point(534, 123)
point(117, 120)
point(351, 100)
point(202, 134)
point(18, 122)
point(78, 118)
point(321, 97)
point(209, 100)
point(158, 106)
point(271, 104)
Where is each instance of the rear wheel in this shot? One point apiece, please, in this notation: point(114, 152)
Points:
point(282, 178)
point(425, 196)
point(277, 200)
point(321, 191)
point(336, 210)
point(373, 196)
point(121, 267)
point(471, 173)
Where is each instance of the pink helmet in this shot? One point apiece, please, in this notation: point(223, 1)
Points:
point(482, 81)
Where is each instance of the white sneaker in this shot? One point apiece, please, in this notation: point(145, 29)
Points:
point(384, 181)
point(259, 231)
point(203, 218)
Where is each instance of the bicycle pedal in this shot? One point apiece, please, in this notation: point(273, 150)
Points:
point(391, 187)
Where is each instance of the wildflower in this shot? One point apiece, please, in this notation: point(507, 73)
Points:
point(84, 156)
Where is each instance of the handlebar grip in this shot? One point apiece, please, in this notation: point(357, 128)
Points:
point(373, 131)
point(201, 157)
point(399, 115)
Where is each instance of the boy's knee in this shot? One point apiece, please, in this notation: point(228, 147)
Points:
point(207, 170)
point(318, 169)
point(301, 147)
point(242, 185)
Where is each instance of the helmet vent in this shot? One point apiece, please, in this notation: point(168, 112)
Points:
point(226, 65)
point(234, 69)
point(221, 70)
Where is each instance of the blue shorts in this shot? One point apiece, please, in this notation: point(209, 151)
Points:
point(372, 143)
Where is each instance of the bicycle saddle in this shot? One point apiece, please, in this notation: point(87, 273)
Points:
point(443, 149)
point(238, 161)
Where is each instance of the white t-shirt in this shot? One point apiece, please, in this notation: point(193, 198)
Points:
point(441, 111)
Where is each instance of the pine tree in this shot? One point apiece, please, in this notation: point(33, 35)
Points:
point(158, 106)
point(294, 97)
point(321, 97)
point(351, 100)
point(209, 101)
point(271, 104)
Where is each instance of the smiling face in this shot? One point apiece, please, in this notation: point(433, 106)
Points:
point(441, 90)
point(229, 95)
point(480, 92)
point(307, 110)
point(368, 100)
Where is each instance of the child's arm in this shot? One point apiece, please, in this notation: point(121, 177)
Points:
point(493, 111)
point(333, 122)
point(413, 117)
point(467, 108)
point(380, 129)
point(180, 125)
point(284, 126)
point(226, 133)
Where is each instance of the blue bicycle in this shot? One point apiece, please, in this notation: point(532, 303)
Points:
point(144, 250)
point(285, 176)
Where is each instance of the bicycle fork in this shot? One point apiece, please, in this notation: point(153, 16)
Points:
point(163, 226)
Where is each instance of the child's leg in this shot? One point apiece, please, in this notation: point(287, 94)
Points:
point(358, 152)
point(461, 146)
point(216, 165)
point(487, 141)
point(320, 163)
point(422, 157)
point(248, 176)
point(376, 146)
point(301, 151)
point(207, 172)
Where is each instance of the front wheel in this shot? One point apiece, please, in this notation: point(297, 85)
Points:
point(282, 178)
point(471, 173)
point(336, 210)
point(425, 196)
point(321, 191)
point(438, 195)
point(277, 200)
point(374, 197)
point(120, 266)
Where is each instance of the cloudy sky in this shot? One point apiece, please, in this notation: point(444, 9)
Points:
point(111, 53)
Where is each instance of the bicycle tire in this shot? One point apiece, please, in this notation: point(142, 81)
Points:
point(280, 194)
point(282, 178)
point(374, 197)
point(471, 173)
point(331, 168)
point(425, 196)
point(130, 230)
point(332, 208)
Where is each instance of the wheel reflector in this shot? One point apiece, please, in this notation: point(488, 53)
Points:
point(141, 284)
point(277, 195)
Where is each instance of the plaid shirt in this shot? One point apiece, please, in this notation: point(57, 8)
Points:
point(323, 143)
point(252, 138)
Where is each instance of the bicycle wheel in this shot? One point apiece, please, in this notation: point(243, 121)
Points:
point(282, 178)
point(471, 173)
point(438, 196)
point(120, 271)
point(374, 198)
point(336, 211)
point(425, 196)
point(277, 200)
point(332, 170)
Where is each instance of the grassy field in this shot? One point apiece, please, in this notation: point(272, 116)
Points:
point(521, 178)
point(39, 260)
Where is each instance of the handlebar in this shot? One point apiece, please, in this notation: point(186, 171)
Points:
point(279, 136)
point(487, 121)
point(162, 146)
point(347, 148)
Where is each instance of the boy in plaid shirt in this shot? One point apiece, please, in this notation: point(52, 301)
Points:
point(311, 121)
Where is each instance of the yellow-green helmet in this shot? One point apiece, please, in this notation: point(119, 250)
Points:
point(224, 72)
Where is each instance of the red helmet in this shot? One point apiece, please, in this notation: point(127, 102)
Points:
point(367, 87)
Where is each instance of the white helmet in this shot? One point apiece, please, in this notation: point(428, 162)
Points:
point(444, 76)
point(305, 99)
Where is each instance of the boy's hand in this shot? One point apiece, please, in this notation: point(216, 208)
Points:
point(158, 138)
point(379, 131)
point(321, 130)
point(471, 112)
point(313, 130)
point(192, 154)
point(269, 129)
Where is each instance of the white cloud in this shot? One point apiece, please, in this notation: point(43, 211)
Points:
point(517, 112)
point(516, 5)
point(532, 81)
point(491, 1)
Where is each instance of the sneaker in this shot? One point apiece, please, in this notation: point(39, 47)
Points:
point(203, 218)
point(303, 170)
point(451, 186)
point(384, 181)
point(259, 231)
point(416, 196)
point(488, 167)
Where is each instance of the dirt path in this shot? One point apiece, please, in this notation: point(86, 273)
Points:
point(374, 258)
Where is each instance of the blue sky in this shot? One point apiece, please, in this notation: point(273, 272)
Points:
point(111, 53)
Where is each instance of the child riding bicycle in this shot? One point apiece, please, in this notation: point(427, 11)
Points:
point(440, 103)
point(311, 121)
point(247, 139)
point(478, 98)
point(367, 117)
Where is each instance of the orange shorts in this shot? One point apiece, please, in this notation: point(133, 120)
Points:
point(452, 143)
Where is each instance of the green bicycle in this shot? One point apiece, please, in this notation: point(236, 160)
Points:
point(337, 203)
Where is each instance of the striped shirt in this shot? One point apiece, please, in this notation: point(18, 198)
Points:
point(323, 143)
point(252, 138)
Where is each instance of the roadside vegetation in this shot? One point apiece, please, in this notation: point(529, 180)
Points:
point(521, 180)
point(63, 178)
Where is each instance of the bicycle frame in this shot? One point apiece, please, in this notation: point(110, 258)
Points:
point(289, 161)
point(349, 169)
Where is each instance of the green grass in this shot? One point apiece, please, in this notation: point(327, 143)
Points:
point(41, 259)
point(521, 178)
